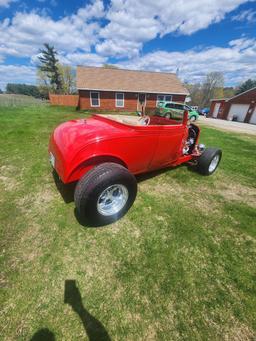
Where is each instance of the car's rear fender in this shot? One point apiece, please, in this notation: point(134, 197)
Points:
point(82, 168)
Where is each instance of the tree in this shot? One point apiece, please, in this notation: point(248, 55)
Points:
point(211, 85)
point(23, 89)
point(229, 92)
point(196, 94)
point(49, 66)
point(68, 79)
point(247, 85)
point(1, 91)
point(109, 66)
point(43, 84)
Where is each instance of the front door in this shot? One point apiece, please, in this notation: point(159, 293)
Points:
point(141, 102)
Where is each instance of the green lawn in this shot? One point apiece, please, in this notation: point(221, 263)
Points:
point(179, 266)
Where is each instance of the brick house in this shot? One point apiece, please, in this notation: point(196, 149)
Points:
point(242, 106)
point(126, 90)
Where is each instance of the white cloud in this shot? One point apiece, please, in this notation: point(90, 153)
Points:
point(247, 15)
point(17, 74)
point(94, 10)
point(79, 58)
point(133, 22)
point(26, 32)
point(112, 47)
point(5, 3)
point(237, 62)
point(242, 43)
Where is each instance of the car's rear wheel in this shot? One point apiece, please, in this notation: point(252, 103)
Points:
point(209, 161)
point(105, 194)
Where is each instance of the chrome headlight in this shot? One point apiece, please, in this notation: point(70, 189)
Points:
point(201, 147)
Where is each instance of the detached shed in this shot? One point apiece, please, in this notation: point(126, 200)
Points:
point(128, 90)
point(241, 107)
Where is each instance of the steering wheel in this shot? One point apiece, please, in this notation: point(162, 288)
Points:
point(145, 120)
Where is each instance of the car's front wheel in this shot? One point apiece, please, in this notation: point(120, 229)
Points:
point(105, 194)
point(209, 161)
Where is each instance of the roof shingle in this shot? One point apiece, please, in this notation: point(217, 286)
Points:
point(100, 78)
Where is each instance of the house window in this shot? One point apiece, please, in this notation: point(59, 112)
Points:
point(119, 99)
point(168, 98)
point(165, 98)
point(95, 99)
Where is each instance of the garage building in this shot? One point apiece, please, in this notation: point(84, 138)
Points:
point(241, 107)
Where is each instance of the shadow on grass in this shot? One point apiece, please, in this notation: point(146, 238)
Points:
point(153, 174)
point(84, 221)
point(94, 329)
point(66, 190)
point(43, 335)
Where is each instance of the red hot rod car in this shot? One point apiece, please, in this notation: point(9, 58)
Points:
point(104, 152)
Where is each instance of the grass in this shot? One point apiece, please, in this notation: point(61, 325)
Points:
point(179, 266)
point(12, 100)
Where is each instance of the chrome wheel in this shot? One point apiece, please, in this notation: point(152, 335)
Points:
point(112, 200)
point(214, 163)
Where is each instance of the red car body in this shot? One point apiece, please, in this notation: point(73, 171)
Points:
point(78, 145)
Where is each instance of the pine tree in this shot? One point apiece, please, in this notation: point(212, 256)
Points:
point(49, 66)
point(247, 85)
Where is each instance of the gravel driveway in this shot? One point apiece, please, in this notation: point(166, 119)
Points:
point(237, 127)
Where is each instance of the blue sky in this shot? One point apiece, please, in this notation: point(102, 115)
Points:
point(195, 37)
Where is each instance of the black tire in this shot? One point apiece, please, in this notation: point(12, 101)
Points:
point(93, 184)
point(204, 161)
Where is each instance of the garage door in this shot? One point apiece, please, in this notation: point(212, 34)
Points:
point(239, 110)
point(253, 118)
point(216, 110)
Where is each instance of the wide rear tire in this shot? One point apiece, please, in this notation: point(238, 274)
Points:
point(209, 161)
point(105, 194)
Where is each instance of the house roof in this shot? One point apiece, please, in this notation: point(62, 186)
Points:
point(219, 99)
point(100, 78)
point(229, 99)
point(242, 93)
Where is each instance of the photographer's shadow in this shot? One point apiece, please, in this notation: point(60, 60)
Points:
point(66, 190)
point(93, 328)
